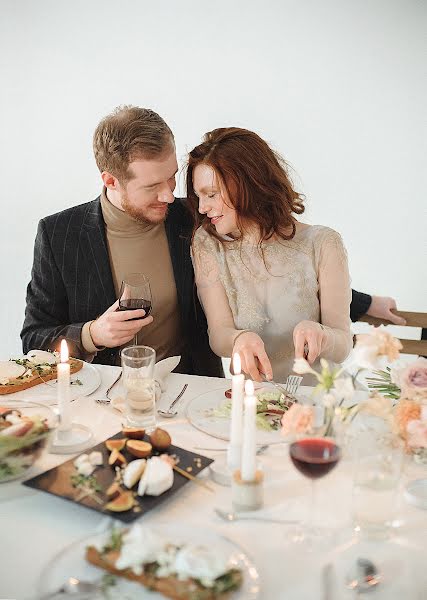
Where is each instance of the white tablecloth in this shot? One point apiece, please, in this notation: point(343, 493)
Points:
point(35, 525)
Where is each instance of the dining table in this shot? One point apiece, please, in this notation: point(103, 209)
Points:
point(35, 526)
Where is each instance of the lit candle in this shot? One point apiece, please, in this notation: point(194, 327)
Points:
point(63, 369)
point(236, 432)
point(248, 469)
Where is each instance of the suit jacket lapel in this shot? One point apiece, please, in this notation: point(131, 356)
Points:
point(178, 240)
point(94, 246)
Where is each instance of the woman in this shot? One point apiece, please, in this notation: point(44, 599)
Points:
point(273, 289)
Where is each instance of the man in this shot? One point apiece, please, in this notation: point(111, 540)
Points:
point(83, 253)
point(374, 306)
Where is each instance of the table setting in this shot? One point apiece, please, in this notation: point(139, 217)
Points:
point(262, 517)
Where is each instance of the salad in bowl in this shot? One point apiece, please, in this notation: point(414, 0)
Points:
point(24, 433)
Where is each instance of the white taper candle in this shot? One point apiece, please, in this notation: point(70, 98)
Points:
point(236, 427)
point(63, 369)
point(248, 468)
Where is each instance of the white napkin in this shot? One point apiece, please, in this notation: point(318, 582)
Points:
point(162, 370)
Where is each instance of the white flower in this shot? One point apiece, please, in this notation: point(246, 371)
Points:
point(324, 364)
point(328, 400)
point(343, 388)
point(366, 357)
point(301, 367)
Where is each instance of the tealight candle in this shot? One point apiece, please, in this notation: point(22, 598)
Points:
point(248, 469)
point(63, 370)
point(236, 426)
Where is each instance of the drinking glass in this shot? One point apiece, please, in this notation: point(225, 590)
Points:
point(376, 478)
point(138, 380)
point(135, 293)
point(314, 456)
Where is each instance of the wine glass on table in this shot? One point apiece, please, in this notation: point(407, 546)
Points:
point(314, 456)
point(135, 293)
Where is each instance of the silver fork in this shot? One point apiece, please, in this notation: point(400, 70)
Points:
point(292, 384)
point(108, 400)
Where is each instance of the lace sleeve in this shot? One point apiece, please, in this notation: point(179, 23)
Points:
point(212, 295)
point(334, 295)
point(204, 254)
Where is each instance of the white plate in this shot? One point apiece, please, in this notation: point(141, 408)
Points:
point(47, 392)
point(71, 562)
point(198, 413)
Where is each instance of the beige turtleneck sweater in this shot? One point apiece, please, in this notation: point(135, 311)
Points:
point(136, 247)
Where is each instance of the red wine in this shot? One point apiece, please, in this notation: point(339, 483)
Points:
point(135, 304)
point(314, 457)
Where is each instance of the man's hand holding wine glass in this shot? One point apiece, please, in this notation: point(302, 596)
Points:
point(117, 327)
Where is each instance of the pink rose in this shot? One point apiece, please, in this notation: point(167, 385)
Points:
point(413, 379)
point(298, 419)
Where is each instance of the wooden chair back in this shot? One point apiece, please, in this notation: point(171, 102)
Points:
point(413, 319)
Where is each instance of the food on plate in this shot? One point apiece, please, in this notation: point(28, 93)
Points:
point(121, 503)
point(87, 463)
point(116, 444)
point(135, 433)
point(160, 439)
point(38, 366)
point(139, 448)
point(156, 478)
point(271, 406)
point(116, 459)
point(133, 471)
point(113, 490)
point(185, 571)
point(22, 438)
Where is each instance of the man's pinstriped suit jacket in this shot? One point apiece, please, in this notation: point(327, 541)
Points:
point(71, 283)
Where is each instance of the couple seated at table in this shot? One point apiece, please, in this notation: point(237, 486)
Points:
point(271, 287)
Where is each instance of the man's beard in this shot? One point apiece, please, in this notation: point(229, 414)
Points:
point(140, 215)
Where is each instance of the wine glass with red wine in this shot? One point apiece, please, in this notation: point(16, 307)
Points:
point(135, 293)
point(314, 457)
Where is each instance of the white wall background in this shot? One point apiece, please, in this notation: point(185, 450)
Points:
point(337, 86)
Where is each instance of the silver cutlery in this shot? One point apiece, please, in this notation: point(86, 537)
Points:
point(364, 576)
point(292, 384)
point(169, 413)
point(107, 393)
point(74, 587)
point(233, 516)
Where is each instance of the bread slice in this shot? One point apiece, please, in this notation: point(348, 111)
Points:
point(170, 587)
point(19, 384)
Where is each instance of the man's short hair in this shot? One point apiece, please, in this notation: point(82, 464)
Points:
point(130, 133)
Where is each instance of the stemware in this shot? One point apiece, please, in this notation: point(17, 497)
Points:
point(314, 457)
point(135, 293)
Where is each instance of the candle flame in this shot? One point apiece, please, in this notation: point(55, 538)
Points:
point(64, 352)
point(249, 387)
point(237, 364)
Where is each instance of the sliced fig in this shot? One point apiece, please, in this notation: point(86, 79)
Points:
point(116, 459)
point(114, 490)
point(138, 448)
point(160, 439)
point(135, 433)
point(116, 444)
point(123, 502)
point(227, 393)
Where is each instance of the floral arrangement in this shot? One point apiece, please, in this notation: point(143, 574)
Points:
point(398, 393)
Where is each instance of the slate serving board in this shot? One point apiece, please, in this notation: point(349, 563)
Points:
point(57, 481)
